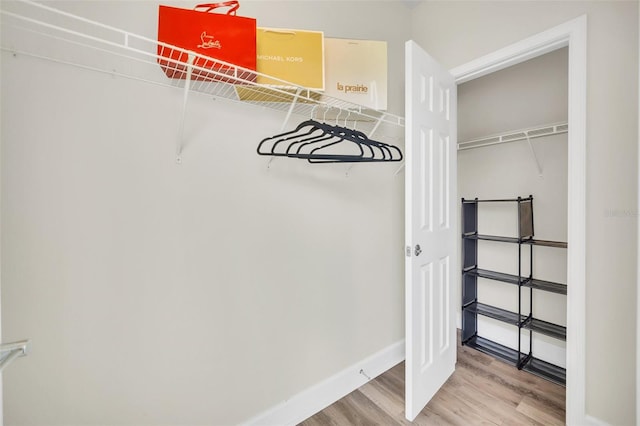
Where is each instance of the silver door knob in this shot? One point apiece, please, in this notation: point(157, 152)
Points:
point(417, 250)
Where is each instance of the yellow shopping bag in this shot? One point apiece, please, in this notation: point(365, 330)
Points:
point(295, 56)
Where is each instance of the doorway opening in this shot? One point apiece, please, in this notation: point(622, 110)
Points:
point(572, 35)
point(512, 142)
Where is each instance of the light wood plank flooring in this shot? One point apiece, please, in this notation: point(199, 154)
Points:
point(482, 391)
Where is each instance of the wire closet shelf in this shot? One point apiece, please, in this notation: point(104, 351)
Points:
point(37, 30)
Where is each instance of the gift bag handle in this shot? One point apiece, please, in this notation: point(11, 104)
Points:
point(234, 4)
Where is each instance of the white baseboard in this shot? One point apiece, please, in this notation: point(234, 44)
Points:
point(593, 421)
point(308, 402)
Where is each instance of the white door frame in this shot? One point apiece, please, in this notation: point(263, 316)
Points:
point(638, 261)
point(574, 35)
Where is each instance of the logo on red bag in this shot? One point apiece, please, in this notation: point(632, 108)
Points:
point(209, 41)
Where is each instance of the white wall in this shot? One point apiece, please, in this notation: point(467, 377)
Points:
point(532, 93)
point(203, 293)
point(529, 94)
point(457, 32)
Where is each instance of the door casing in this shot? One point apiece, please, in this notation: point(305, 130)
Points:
point(571, 34)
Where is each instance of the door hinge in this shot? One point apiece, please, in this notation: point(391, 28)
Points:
point(407, 251)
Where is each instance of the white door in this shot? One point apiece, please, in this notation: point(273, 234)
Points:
point(430, 227)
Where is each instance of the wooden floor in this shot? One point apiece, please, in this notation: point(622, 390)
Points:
point(482, 391)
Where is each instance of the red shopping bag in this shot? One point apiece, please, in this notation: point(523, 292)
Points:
point(215, 36)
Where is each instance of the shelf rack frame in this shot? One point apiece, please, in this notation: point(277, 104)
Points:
point(523, 320)
point(41, 31)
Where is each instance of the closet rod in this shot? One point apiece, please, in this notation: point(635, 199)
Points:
point(516, 135)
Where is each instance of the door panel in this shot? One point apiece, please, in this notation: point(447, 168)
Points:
point(430, 179)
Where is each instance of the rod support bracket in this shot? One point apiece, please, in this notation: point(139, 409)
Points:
point(187, 85)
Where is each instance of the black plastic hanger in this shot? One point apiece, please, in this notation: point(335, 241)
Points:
point(319, 142)
point(311, 126)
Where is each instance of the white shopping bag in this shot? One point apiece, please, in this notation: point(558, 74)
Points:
point(356, 71)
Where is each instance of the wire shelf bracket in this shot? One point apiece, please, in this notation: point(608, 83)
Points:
point(11, 351)
point(185, 99)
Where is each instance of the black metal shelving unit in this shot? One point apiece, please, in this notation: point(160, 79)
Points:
point(523, 319)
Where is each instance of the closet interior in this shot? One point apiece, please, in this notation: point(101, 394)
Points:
point(513, 142)
point(199, 241)
point(182, 214)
